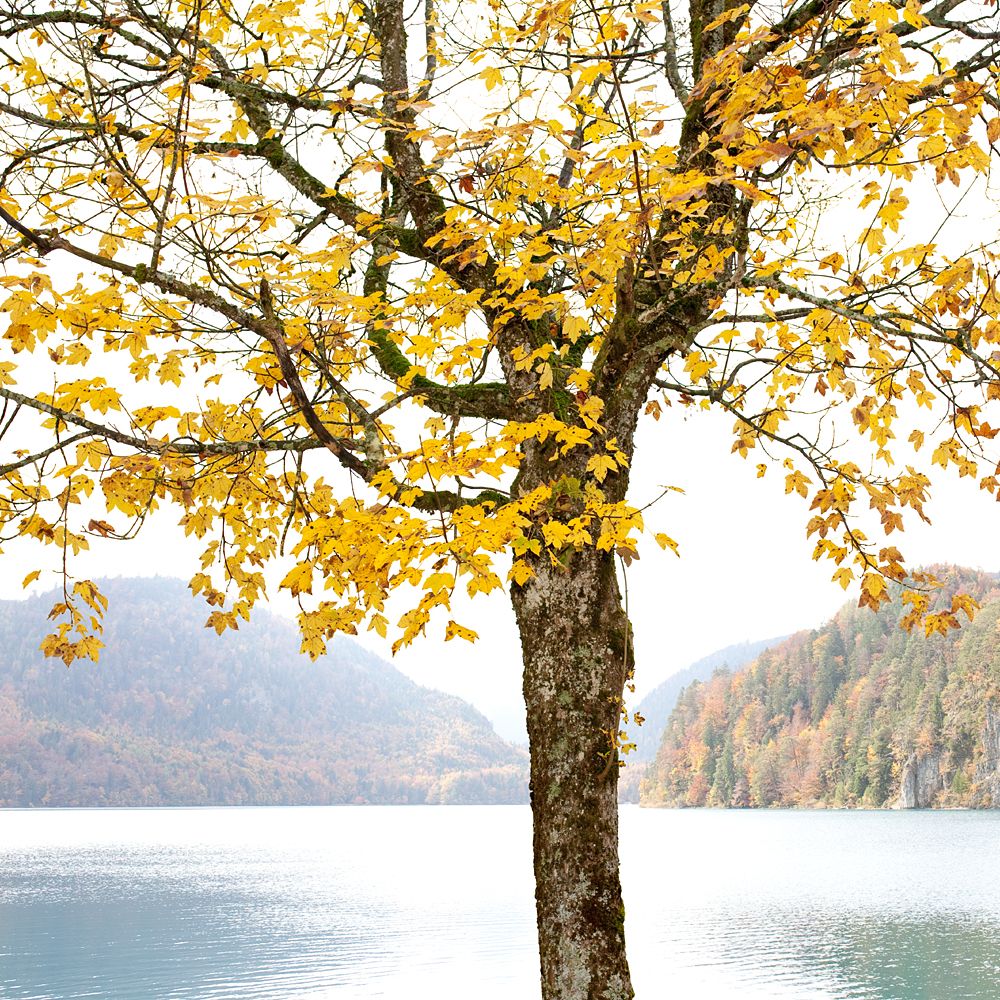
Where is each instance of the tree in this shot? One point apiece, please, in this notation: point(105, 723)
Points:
point(725, 775)
point(830, 656)
point(415, 272)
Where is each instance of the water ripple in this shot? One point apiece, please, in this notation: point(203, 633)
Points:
point(415, 902)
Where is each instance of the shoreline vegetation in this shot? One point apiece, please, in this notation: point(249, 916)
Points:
point(857, 713)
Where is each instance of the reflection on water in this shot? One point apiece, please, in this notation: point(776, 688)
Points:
point(262, 903)
point(776, 904)
point(415, 902)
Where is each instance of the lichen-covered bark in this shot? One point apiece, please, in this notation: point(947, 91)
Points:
point(576, 649)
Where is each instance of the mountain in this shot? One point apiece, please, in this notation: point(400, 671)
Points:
point(173, 714)
point(656, 706)
point(857, 713)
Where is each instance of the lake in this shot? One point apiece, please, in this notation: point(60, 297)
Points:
point(414, 902)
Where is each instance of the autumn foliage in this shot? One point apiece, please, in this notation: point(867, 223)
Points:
point(836, 717)
point(175, 716)
point(313, 297)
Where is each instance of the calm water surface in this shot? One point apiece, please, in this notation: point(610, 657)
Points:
point(415, 902)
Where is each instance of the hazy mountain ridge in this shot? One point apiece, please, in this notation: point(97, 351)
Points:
point(656, 706)
point(856, 713)
point(175, 715)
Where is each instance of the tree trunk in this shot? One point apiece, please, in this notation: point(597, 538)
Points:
point(576, 646)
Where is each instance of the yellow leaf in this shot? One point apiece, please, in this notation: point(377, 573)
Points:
point(492, 76)
point(729, 15)
point(666, 542)
point(31, 577)
point(574, 327)
point(912, 15)
point(796, 482)
point(454, 630)
point(298, 579)
point(874, 591)
point(439, 581)
point(220, 621)
point(601, 465)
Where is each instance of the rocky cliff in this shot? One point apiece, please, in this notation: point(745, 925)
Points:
point(920, 781)
point(987, 776)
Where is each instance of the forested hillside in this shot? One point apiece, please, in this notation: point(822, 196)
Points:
point(176, 715)
point(857, 713)
point(655, 708)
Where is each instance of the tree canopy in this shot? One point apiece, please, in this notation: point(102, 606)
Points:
point(407, 257)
